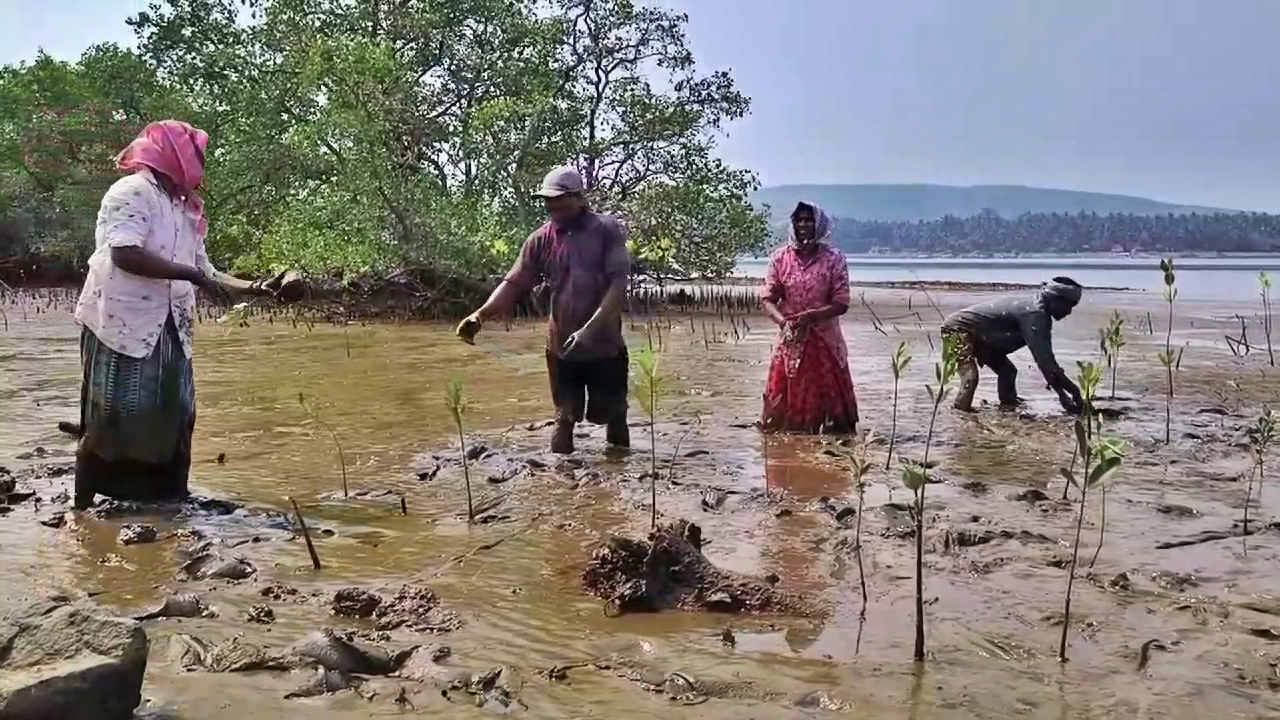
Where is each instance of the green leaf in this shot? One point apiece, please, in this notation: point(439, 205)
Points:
point(1069, 476)
point(914, 477)
point(1102, 470)
point(1082, 438)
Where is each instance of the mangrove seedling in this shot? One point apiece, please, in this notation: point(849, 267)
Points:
point(1167, 358)
point(457, 404)
point(314, 414)
point(898, 363)
point(1262, 433)
point(1112, 343)
point(648, 387)
point(860, 467)
point(1100, 457)
point(915, 475)
point(1264, 285)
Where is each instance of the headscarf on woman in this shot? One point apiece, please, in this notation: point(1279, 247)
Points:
point(821, 223)
point(176, 150)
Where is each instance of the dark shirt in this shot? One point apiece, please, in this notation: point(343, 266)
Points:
point(579, 262)
point(1009, 324)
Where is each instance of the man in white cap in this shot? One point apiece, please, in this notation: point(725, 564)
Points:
point(582, 257)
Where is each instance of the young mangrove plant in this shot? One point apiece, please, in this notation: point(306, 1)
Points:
point(314, 414)
point(860, 467)
point(648, 388)
point(898, 363)
point(915, 475)
point(1167, 358)
point(1264, 286)
point(457, 404)
point(1113, 342)
point(1099, 458)
point(1262, 433)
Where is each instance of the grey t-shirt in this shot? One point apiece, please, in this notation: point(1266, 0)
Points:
point(1007, 325)
point(579, 262)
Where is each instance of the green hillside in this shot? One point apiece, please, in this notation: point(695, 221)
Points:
point(927, 202)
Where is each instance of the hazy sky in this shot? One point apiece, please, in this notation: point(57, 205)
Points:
point(1173, 99)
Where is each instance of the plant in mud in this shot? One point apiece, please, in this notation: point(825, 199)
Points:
point(1170, 361)
point(898, 363)
point(915, 475)
point(1100, 457)
point(457, 404)
point(860, 467)
point(1264, 285)
point(1112, 342)
point(648, 388)
point(314, 414)
point(1261, 434)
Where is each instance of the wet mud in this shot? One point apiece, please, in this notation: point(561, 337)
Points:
point(1176, 617)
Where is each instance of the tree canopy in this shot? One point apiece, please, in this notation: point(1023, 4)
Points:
point(352, 137)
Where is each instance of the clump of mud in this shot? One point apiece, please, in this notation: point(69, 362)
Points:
point(669, 571)
point(412, 608)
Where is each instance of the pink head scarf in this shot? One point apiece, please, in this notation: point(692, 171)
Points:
point(175, 149)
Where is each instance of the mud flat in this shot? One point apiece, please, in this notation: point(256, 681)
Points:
point(1175, 618)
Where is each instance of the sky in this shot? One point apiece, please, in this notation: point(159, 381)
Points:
point(1177, 100)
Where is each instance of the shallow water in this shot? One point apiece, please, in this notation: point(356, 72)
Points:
point(992, 636)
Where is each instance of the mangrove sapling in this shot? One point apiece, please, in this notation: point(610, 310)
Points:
point(898, 363)
point(1264, 284)
point(314, 414)
point(1112, 343)
point(1167, 358)
point(1262, 433)
point(648, 387)
point(859, 467)
point(915, 475)
point(457, 404)
point(1100, 457)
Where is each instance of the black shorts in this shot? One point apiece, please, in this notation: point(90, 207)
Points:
point(594, 390)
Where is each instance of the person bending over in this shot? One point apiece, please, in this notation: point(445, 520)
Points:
point(986, 334)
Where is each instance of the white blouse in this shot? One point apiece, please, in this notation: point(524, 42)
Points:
point(127, 312)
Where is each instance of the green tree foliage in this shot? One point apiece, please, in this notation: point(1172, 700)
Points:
point(61, 125)
point(358, 136)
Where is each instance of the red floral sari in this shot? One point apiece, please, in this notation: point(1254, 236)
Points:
point(809, 388)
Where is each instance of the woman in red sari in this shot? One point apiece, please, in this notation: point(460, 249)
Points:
point(806, 290)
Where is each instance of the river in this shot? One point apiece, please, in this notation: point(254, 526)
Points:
point(1199, 278)
point(994, 564)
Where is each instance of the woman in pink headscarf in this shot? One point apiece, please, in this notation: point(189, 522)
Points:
point(137, 309)
point(806, 290)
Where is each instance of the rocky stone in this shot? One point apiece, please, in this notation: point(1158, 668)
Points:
point(66, 661)
point(137, 534)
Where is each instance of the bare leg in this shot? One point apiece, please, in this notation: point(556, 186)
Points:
point(1007, 381)
point(967, 371)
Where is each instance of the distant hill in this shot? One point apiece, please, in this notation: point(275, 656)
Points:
point(929, 202)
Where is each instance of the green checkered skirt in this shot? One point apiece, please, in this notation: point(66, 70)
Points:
point(137, 410)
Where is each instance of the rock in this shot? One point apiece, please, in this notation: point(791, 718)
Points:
point(325, 682)
point(506, 473)
point(1031, 496)
point(280, 592)
point(713, 499)
point(1174, 581)
point(54, 520)
point(1177, 510)
point(260, 615)
point(697, 453)
point(182, 605)
point(476, 451)
point(1120, 583)
point(137, 534)
point(427, 664)
point(66, 661)
point(333, 652)
point(7, 484)
point(976, 486)
point(215, 566)
point(355, 603)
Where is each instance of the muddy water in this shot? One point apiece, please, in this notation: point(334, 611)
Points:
point(993, 607)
